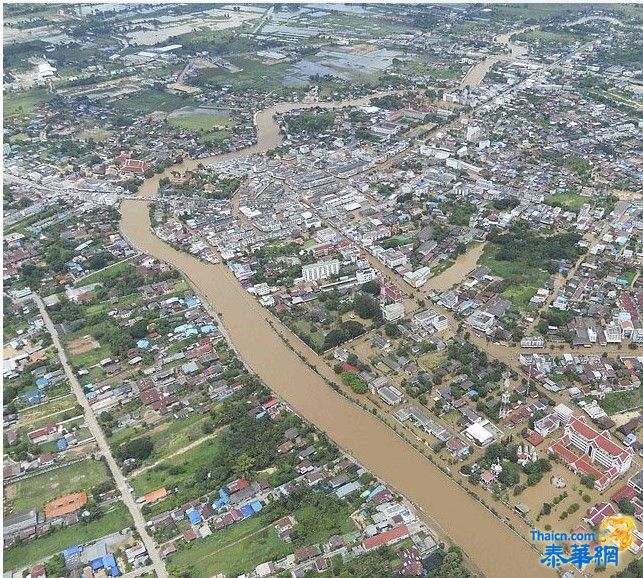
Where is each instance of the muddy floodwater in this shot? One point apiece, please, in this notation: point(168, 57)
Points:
point(494, 548)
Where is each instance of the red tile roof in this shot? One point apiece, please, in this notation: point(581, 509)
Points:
point(385, 538)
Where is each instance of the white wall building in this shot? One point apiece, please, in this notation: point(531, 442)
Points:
point(320, 270)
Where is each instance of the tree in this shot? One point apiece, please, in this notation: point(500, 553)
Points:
point(588, 481)
point(392, 330)
point(371, 287)
point(352, 329)
point(354, 382)
point(137, 449)
point(243, 465)
point(367, 307)
point(626, 507)
point(334, 338)
point(55, 567)
point(510, 474)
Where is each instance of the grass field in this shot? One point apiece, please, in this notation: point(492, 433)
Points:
point(255, 74)
point(168, 438)
point(622, 401)
point(61, 415)
point(148, 101)
point(36, 415)
point(35, 492)
point(568, 200)
point(199, 121)
point(304, 327)
point(112, 272)
point(241, 547)
point(176, 471)
point(523, 282)
point(27, 553)
point(23, 103)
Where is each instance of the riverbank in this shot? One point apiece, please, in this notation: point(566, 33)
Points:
point(494, 548)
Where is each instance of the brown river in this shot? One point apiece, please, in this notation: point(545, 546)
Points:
point(495, 549)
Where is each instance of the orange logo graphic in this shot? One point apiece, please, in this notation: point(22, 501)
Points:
point(618, 531)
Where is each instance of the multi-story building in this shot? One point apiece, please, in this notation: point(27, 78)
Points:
point(393, 258)
point(320, 270)
point(393, 311)
point(594, 447)
point(418, 277)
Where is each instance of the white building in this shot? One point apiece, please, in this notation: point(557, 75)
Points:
point(365, 275)
point(417, 278)
point(481, 321)
point(613, 333)
point(393, 311)
point(547, 425)
point(320, 270)
point(392, 258)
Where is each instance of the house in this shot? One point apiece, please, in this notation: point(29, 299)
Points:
point(411, 561)
point(155, 495)
point(45, 434)
point(65, 505)
point(457, 448)
point(547, 424)
point(598, 513)
point(386, 538)
point(481, 321)
point(284, 527)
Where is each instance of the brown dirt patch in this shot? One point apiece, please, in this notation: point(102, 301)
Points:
point(83, 344)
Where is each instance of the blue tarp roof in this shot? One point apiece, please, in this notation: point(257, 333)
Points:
point(247, 511)
point(109, 561)
point(142, 343)
point(256, 506)
point(194, 517)
point(62, 444)
point(42, 382)
point(97, 564)
point(33, 396)
point(71, 551)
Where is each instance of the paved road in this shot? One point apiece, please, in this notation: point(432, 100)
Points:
point(97, 432)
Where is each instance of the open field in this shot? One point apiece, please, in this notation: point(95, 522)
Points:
point(88, 355)
point(23, 103)
point(36, 491)
point(622, 401)
point(83, 345)
point(568, 200)
point(31, 417)
point(168, 437)
point(27, 553)
point(148, 101)
point(522, 282)
point(199, 119)
point(241, 547)
point(176, 471)
point(111, 272)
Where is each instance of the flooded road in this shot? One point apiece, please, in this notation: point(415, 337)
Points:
point(477, 72)
point(463, 265)
point(496, 550)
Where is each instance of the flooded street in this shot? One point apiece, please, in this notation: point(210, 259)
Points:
point(477, 72)
point(496, 550)
point(463, 265)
